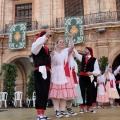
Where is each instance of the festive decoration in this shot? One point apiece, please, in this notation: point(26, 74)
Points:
point(74, 25)
point(17, 36)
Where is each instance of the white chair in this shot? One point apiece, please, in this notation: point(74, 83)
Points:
point(18, 97)
point(28, 102)
point(3, 98)
point(34, 98)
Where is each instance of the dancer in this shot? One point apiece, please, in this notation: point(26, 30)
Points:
point(89, 69)
point(111, 87)
point(102, 96)
point(74, 71)
point(41, 58)
point(62, 86)
point(117, 76)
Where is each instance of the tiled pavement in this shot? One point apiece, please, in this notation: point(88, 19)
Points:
point(30, 114)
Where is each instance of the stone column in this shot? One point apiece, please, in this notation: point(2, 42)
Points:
point(1, 14)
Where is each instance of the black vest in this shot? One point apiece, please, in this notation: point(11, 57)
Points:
point(42, 58)
point(89, 66)
point(117, 77)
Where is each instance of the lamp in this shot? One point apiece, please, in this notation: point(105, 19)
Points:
point(45, 26)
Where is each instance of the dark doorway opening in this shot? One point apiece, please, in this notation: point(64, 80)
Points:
point(116, 62)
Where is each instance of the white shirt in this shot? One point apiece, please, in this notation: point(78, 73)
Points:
point(96, 70)
point(117, 70)
point(37, 45)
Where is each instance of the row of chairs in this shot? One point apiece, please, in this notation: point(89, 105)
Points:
point(17, 98)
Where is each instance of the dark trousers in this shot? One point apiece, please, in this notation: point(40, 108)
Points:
point(41, 89)
point(117, 100)
point(86, 90)
point(94, 92)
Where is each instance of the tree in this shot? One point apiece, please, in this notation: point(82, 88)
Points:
point(30, 85)
point(9, 76)
point(103, 62)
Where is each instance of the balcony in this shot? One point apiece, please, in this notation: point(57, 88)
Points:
point(31, 26)
point(94, 18)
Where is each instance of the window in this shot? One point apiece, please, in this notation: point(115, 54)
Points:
point(118, 9)
point(74, 8)
point(23, 13)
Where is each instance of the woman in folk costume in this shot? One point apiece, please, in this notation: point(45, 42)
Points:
point(73, 72)
point(41, 58)
point(62, 86)
point(111, 87)
point(102, 96)
point(117, 76)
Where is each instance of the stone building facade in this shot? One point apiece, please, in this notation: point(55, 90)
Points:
point(101, 29)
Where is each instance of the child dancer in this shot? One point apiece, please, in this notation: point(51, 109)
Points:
point(102, 96)
point(111, 87)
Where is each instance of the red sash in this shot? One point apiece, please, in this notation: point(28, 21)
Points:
point(117, 82)
point(104, 86)
point(47, 68)
point(111, 83)
point(74, 76)
point(67, 69)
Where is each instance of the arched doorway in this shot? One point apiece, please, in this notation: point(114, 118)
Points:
point(23, 70)
point(116, 62)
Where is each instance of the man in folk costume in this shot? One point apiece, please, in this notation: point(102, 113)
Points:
point(89, 69)
point(117, 76)
point(41, 58)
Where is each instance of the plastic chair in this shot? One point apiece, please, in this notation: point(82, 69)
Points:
point(34, 98)
point(3, 98)
point(28, 102)
point(18, 97)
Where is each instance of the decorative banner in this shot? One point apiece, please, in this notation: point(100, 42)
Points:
point(74, 25)
point(17, 36)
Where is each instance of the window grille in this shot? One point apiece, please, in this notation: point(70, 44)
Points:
point(23, 13)
point(73, 8)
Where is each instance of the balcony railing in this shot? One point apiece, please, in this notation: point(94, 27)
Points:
point(94, 18)
point(31, 26)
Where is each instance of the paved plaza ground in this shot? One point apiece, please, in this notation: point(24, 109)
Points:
point(30, 114)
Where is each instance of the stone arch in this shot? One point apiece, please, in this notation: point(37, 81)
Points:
point(23, 67)
point(12, 58)
point(113, 54)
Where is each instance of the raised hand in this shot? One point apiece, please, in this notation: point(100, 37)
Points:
point(48, 33)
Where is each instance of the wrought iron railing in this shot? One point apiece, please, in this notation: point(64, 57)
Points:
point(31, 26)
point(94, 18)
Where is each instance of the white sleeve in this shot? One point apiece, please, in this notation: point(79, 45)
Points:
point(96, 68)
point(77, 55)
point(117, 70)
point(37, 45)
